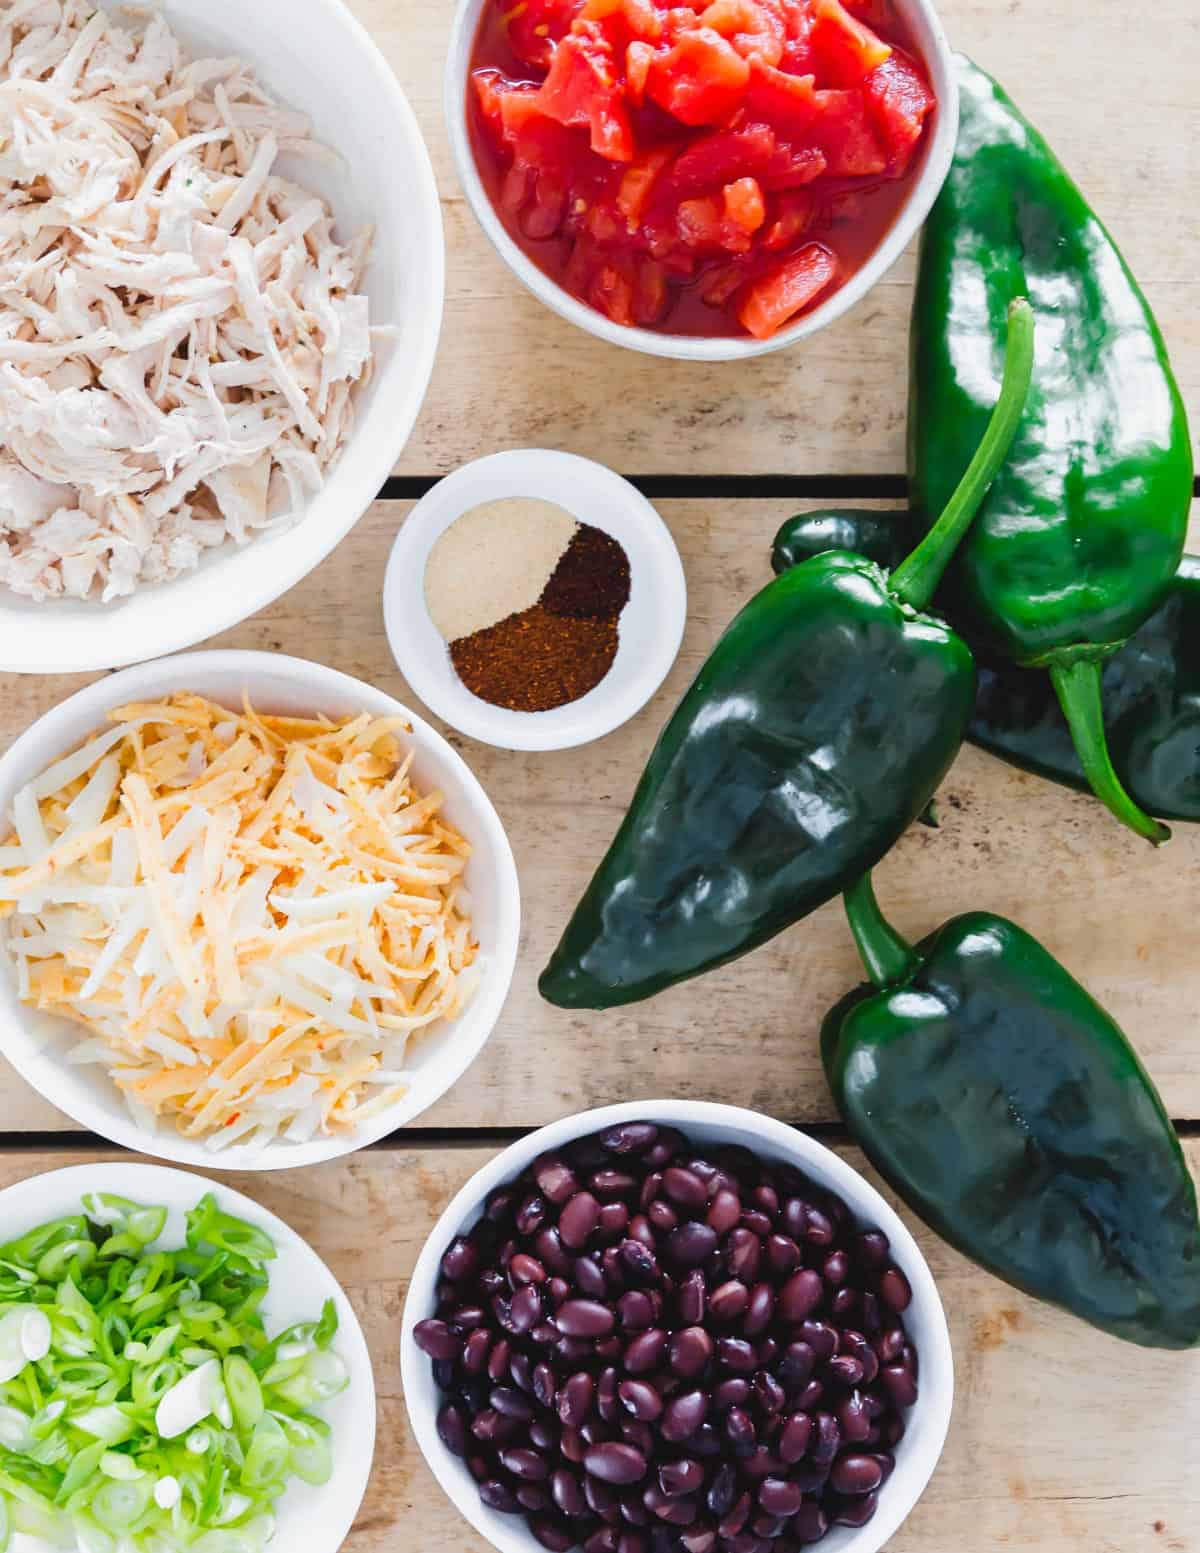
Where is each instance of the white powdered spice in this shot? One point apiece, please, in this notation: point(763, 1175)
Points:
point(494, 562)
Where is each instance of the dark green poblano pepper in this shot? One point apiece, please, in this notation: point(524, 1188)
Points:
point(1082, 530)
point(817, 731)
point(1150, 688)
point(1007, 1109)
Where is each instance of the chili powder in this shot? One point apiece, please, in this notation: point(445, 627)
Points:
point(563, 646)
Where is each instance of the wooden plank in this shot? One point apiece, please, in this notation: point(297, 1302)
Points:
point(1061, 1437)
point(836, 403)
point(1107, 904)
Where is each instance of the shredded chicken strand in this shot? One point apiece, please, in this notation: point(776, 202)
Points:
point(180, 331)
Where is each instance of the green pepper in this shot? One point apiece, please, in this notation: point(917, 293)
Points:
point(1007, 1109)
point(818, 730)
point(1083, 529)
point(1150, 688)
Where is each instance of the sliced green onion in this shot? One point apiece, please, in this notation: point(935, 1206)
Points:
point(311, 1458)
point(117, 1506)
point(268, 1454)
point(244, 1392)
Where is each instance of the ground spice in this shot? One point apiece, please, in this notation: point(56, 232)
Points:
point(591, 580)
point(537, 660)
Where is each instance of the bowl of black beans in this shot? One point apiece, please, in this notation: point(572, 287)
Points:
point(675, 1327)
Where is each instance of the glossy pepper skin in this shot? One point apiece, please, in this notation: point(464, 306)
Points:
point(1082, 531)
point(817, 731)
point(1150, 688)
point(1007, 1109)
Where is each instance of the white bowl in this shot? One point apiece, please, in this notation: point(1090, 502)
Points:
point(917, 1454)
point(325, 65)
point(920, 19)
point(34, 1042)
point(651, 625)
point(315, 1519)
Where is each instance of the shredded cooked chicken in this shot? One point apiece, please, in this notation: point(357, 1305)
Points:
point(179, 330)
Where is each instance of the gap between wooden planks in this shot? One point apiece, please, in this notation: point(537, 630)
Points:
point(510, 367)
point(1102, 900)
point(1063, 1440)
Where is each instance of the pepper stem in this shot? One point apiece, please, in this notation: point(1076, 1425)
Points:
point(1077, 686)
point(888, 957)
point(916, 578)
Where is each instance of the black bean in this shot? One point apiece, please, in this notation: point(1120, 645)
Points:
point(525, 1269)
point(890, 1345)
point(567, 1492)
point(475, 1352)
point(555, 1179)
point(854, 1474)
point(783, 1254)
point(856, 1512)
point(810, 1525)
point(512, 1403)
point(552, 1534)
point(895, 1290)
point(602, 1499)
point(609, 1183)
point(572, 1445)
point(779, 1497)
point(530, 1466)
point(452, 1429)
point(844, 1305)
point(818, 1228)
point(664, 1149)
point(638, 1260)
point(770, 1394)
point(498, 1496)
point(739, 1431)
point(736, 1354)
point(760, 1311)
point(690, 1244)
point(575, 1399)
point(744, 1253)
point(531, 1215)
point(685, 1188)
point(853, 1418)
point(869, 1317)
point(871, 1250)
point(574, 1350)
point(796, 1367)
point(828, 1440)
point(499, 1360)
point(436, 1339)
point(698, 1538)
point(613, 1221)
point(809, 1399)
point(821, 1338)
point(678, 1512)
point(662, 1216)
point(639, 1434)
point(606, 1395)
point(706, 1442)
point(844, 1371)
point(736, 1516)
point(545, 1433)
point(680, 1477)
point(691, 1298)
point(629, 1138)
point(549, 1248)
point(460, 1260)
point(723, 1490)
point(559, 1291)
point(728, 1302)
point(603, 1541)
point(641, 1399)
point(689, 1352)
point(762, 1464)
point(636, 1311)
point(724, 1211)
point(499, 1207)
point(646, 1351)
point(585, 1318)
point(683, 1416)
point(589, 1278)
point(800, 1296)
point(615, 1462)
point(901, 1387)
point(795, 1437)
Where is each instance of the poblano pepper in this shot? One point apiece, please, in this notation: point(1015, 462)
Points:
point(817, 731)
point(1008, 1110)
point(1150, 688)
point(1083, 529)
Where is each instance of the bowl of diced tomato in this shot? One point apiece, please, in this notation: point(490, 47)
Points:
point(703, 181)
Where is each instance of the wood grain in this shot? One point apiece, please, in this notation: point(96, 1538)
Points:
point(835, 404)
point(1114, 910)
point(1062, 1437)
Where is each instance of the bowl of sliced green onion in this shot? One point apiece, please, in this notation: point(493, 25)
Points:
point(179, 1372)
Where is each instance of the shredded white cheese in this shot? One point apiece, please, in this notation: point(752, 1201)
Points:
point(180, 330)
point(249, 916)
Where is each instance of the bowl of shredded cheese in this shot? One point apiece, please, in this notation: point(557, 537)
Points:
point(250, 908)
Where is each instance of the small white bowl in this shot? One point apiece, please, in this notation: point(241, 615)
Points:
point(315, 1519)
point(651, 625)
point(34, 1042)
point(918, 1453)
point(920, 19)
point(323, 63)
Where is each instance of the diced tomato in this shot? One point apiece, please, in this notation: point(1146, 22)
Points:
point(612, 288)
point(787, 102)
point(581, 90)
point(650, 295)
point(774, 298)
point(794, 212)
point(846, 136)
point(744, 204)
point(700, 80)
point(720, 284)
point(637, 182)
point(720, 158)
point(846, 50)
point(640, 18)
point(701, 221)
point(751, 28)
point(900, 101)
point(792, 167)
point(535, 26)
point(638, 59)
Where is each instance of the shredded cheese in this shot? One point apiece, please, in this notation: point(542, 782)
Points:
point(250, 917)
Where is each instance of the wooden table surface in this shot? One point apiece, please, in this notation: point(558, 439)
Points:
point(1063, 1441)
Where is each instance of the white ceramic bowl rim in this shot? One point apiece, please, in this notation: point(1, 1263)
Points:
point(67, 636)
point(651, 625)
point(325, 1515)
point(918, 1454)
point(938, 154)
point(217, 673)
